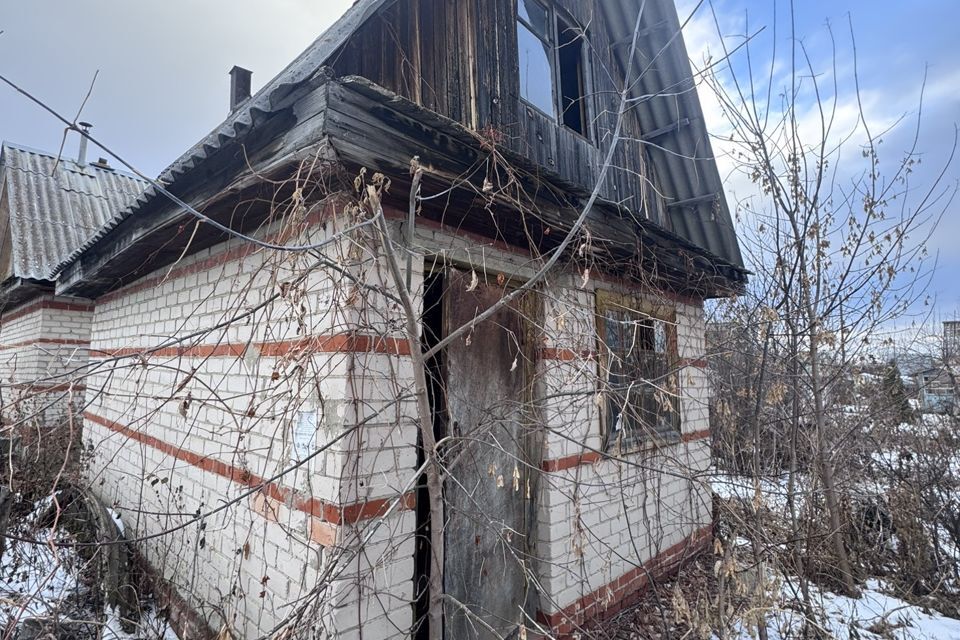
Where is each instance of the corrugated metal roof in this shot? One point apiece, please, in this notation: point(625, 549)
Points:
point(54, 207)
point(706, 224)
point(683, 156)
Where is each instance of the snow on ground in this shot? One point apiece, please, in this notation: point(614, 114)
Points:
point(770, 492)
point(118, 521)
point(876, 615)
point(44, 580)
point(150, 626)
point(35, 577)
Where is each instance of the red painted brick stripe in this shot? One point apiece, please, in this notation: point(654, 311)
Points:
point(46, 388)
point(39, 341)
point(338, 344)
point(697, 436)
point(552, 466)
point(201, 351)
point(57, 305)
point(625, 591)
point(335, 514)
point(342, 343)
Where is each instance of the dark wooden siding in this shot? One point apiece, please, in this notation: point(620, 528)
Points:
point(459, 58)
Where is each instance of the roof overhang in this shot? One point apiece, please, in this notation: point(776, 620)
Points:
point(364, 125)
point(361, 115)
point(671, 116)
point(15, 292)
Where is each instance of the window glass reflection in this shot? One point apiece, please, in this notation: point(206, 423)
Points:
point(536, 16)
point(536, 72)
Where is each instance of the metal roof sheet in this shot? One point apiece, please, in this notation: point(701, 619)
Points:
point(683, 156)
point(686, 170)
point(55, 206)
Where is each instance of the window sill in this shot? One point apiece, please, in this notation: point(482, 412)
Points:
point(535, 110)
point(633, 447)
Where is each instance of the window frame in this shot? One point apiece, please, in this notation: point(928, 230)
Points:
point(554, 15)
point(614, 440)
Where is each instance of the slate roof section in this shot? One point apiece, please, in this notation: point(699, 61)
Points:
point(686, 167)
point(55, 207)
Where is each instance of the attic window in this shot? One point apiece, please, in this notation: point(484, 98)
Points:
point(553, 75)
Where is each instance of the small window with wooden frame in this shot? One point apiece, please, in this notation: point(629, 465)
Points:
point(638, 372)
point(554, 75)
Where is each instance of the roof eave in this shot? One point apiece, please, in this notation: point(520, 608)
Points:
point(16, 291)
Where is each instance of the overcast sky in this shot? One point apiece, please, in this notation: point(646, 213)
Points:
point(163, 67)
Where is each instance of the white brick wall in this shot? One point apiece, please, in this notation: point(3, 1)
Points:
point(599, 521)
point(43, 349)
point(198, 414)
point(202, 414)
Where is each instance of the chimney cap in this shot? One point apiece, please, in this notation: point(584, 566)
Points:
point(240, 81)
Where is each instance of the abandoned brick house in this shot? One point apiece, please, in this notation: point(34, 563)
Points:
point(251, 412)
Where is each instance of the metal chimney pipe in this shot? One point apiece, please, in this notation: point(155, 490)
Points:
point(239, 86)
point(82, 155)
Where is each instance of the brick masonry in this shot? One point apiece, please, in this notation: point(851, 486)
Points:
point(252, 424)
point(606, 518)
point(43, 347)
point(256, 430)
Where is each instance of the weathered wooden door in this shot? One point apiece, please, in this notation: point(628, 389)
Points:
point(489, 491)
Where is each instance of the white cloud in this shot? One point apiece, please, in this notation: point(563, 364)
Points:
point(888, 102)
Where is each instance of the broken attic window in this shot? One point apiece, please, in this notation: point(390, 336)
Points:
point(640, 380)
point(552, 64)
point(536, 16)
point(572, 89)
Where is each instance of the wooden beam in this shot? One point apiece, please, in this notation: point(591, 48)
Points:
point(280, 140)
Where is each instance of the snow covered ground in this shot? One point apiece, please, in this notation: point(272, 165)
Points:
point(875, 615)
point(31, 580)
point(45, 581)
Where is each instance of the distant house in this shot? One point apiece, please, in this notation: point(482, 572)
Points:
point(48, 208)
point(936, 381)
point(254, 419)
point(937, 389)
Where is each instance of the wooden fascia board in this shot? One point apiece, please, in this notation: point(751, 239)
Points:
point(14, 292)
